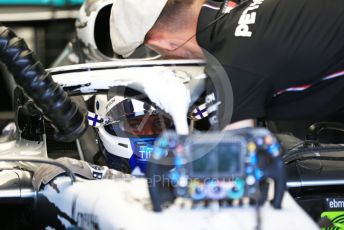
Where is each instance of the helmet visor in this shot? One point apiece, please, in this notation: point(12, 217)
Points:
point(134, 118)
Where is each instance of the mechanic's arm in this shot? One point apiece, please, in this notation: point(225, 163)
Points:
point(241, 124)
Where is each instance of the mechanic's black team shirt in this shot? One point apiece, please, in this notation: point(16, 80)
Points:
point(267, 46)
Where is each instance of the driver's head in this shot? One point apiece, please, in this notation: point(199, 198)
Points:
point(147, 125)
point(163, 25)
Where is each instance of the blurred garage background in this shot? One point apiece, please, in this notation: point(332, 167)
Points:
point(46, 25)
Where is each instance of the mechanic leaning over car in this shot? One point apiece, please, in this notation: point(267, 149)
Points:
point(284, 58)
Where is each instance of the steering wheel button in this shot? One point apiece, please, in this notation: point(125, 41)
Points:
point(183, 181)
point(249, 169)
point(274, 150)
point(251, 147)
point(180, 149)
point(174, 176)
point(268, 140)
point(260, 141)
point(250, 180)
point(259, 174)
point(178, 161)
point(254, 159)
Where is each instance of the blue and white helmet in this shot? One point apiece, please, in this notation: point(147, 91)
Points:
point(127, 140)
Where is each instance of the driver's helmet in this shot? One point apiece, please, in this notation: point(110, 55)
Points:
point(93, 41)
point(133, 126)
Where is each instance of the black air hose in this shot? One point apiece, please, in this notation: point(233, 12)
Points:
point(69, 123)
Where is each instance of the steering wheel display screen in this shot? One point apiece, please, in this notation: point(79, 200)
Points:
point(222, 160)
